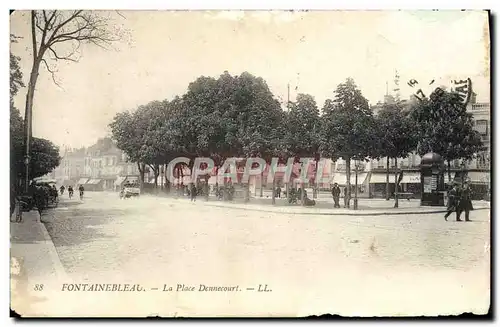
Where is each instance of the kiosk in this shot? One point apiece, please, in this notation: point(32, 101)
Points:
point(432, 179)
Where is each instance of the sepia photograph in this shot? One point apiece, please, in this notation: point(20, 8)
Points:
point(250, 163)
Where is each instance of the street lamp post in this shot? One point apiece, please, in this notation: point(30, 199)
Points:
point(356, 166)
point(27, 165)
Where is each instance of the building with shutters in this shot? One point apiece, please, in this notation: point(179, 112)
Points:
point(98, 167)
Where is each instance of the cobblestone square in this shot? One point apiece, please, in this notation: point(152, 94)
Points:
point(363, 265)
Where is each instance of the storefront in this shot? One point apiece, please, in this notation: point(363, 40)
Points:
point(480, 183)
point(378, 185)
point(363, 187)
point(94, 185)
point(410, 183)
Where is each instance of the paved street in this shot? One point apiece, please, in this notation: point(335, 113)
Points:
point(354, 265)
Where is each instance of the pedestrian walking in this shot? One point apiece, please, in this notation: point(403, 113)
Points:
point(453, 203)
point(278, 191)
point(465, 203)
point(336, 195)
point(81, 189)
point(193, 192)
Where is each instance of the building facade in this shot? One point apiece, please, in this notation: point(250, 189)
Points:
point(97, 167)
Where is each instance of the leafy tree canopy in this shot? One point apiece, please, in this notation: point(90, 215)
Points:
point(444, 126)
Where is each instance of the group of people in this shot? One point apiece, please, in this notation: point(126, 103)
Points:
point(296, 196)
point(227, 190)
point(81, 189)
point(459, 200)
point(43, 195)
point(336, 196)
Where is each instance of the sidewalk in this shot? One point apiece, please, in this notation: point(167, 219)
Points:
point(324, 206)
point(36, 271)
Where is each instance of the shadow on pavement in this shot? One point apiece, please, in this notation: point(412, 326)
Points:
point(76, 225)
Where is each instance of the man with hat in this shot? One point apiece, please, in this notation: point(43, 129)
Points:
point(465, 204)
point(453, 202)
point(336, 195)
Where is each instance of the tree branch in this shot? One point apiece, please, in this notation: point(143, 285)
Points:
point(118, 12)
point(61, 25)
point(57, 57)
point(52, 72)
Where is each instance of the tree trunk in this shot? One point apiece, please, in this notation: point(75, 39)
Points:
point(141, 167)
point(261, 185)
point(28, 119)
point(247, 192)
point(205, 187)
point(449, 172)
point(217, 178)
point(157, 173)
point(348, 181)
point(302, 195)
point(28, 113)
point(167, 180)
point(387, 184)
point(181, 176)
point(287, 191)
point(396, 204)
point(315, 191)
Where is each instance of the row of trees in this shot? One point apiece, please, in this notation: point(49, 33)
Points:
point(238, 116)
point(44, 154)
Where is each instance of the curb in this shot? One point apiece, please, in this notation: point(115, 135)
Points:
point(358, 213)
point(54, 257)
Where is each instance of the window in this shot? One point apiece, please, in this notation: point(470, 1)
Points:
point(482, 126)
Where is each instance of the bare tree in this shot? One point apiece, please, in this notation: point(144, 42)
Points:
point(49, 30)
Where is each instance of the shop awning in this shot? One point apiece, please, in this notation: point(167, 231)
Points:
point(94, 181)
point(341, 178)
point(410, 178)
point(82, 181)
point(380, 178)
point(478, 177)
point(120, 180)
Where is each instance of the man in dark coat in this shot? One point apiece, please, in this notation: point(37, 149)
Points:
point(453, 203)
point(193, 192)
point(336, 195)
point(465, 202)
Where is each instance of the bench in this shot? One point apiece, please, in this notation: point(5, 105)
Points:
point(404, 195)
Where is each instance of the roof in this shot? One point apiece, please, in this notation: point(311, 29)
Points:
point(431, 158)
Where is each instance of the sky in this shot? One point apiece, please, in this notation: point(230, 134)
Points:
point(163, 51)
